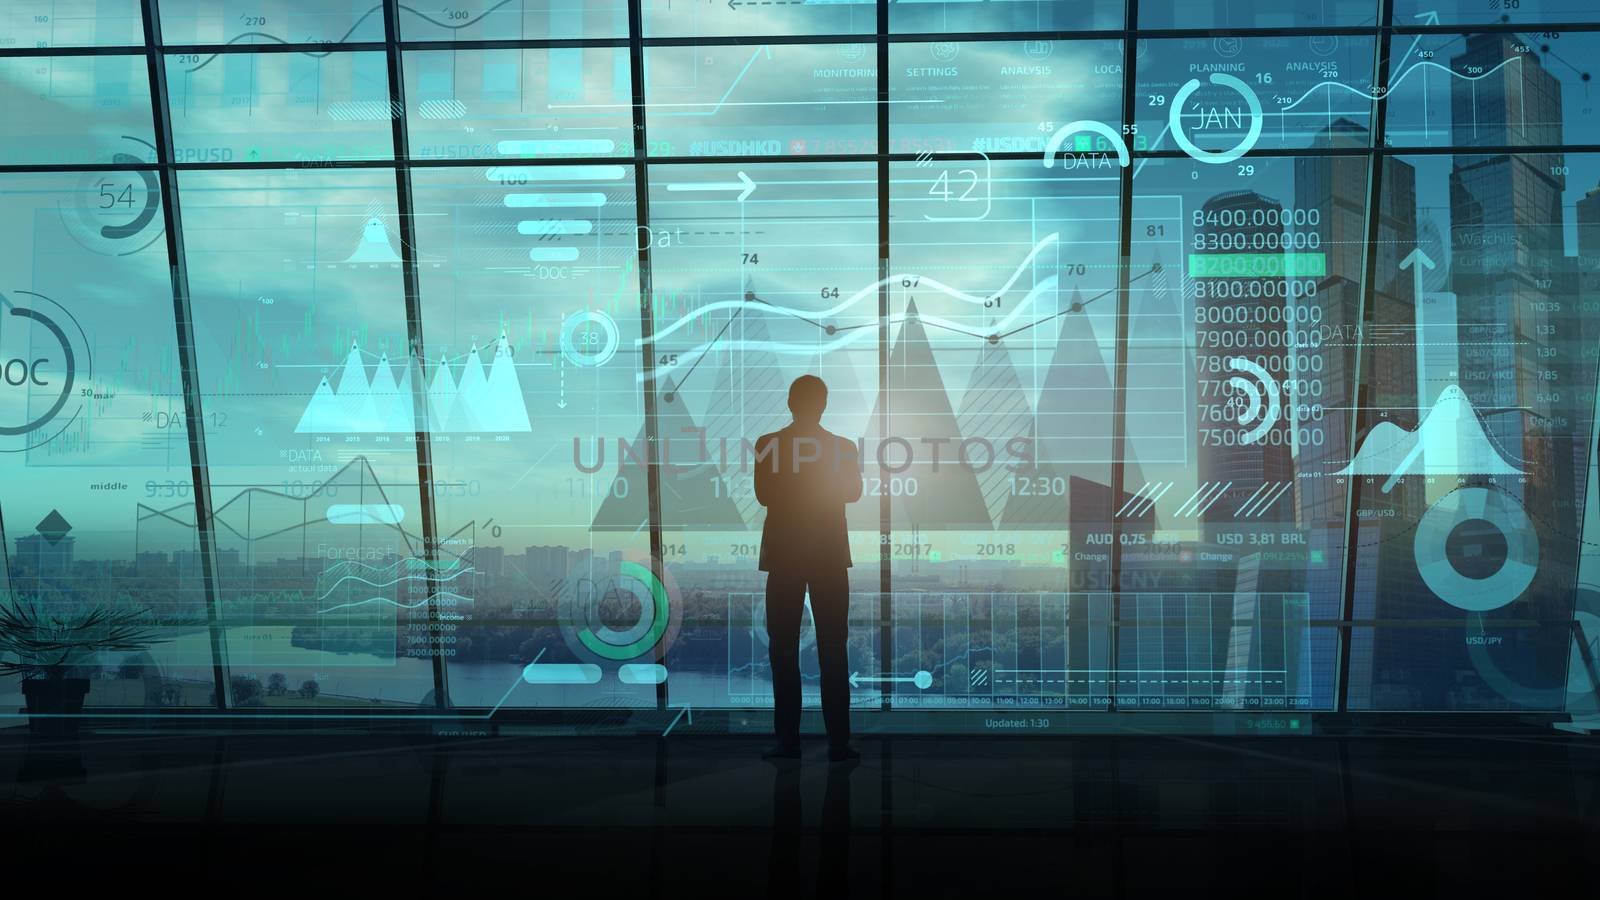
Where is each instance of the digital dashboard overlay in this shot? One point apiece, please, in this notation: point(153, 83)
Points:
point(1203, 357)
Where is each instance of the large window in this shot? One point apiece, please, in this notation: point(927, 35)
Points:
point(409, 361)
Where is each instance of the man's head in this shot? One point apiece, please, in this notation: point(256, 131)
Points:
point(808, 397)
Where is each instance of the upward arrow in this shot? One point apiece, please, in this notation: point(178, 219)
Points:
point(1416, 256)
point(1431, 17)
point(684, 709)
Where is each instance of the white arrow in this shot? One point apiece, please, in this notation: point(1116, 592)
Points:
point(1416, 256)
point(683, 710)
point(1416, 261)
point(744, 186)
point(1431, 17)
point(922, 679)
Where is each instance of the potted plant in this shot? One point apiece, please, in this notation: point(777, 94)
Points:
point(46, 648)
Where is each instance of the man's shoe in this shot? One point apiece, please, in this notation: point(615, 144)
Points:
point(844, 754)
point(781, 751)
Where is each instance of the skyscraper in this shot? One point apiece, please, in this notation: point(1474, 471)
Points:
point(1368, 375)
point(1587, 287)
point(545, 565)
point(1516, 331)
point(486, 562)
point(1506, 238)
point(1335, 188)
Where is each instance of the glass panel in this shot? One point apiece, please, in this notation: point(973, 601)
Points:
point(1495, 456)
point(1219, 98)
point(752, 291)
point(482, 104)
point(1253, 14)
point(307, 385)
point(480, 20)
point(999, 97)
point(1003, 330)
point(1247, 518)
point(1494, 90)
point(81, 109)
point(10, 688)
point(664, 18)
point(270, 21)
point(778, 100)
point(71, 23)
point(953, 16)
point(531, 315)
point(1271, 389)
point(279, 106)
point(95, 478)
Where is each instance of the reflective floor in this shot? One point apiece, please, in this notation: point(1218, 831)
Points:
point(1384, 814)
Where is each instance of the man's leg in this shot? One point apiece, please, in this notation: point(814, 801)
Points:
point(830, 609)
point(785, 599)
point(783, 854)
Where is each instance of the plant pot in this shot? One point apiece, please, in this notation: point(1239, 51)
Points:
point(54, 705)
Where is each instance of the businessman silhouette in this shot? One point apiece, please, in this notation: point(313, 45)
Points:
point(804, 477)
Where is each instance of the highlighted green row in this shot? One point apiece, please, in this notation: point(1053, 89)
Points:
point(1257, 265)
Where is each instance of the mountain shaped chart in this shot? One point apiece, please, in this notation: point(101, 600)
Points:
point(1075, 405)
point(995, 407)
point(751, 398)
point(1160, 374)
point(1449, 441)
point(932, 499)
point(470, 400)
point(374, 246)
point(693, 496)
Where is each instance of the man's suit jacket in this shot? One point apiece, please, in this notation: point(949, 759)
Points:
point(804, 477)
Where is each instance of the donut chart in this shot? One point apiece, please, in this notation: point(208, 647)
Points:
point(586, 631)
point(1217, 157)
point(1514, 573)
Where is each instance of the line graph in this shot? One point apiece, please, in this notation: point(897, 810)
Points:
point(360, 20)
point(401, 580)
point(291, 513)
point(869, 291)
point(723, 100)
point(1393, 85)
point(847, 335)
point(395, 603)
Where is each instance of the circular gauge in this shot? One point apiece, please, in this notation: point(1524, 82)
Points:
point(44, 355)
point(1476, 549)
point(1217, 157)
point(116, 213)
point(1482, 650)
point(589, 339)
point(616, 611)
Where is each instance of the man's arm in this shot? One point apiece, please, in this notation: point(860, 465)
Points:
point(850, 476)
point(766, 472)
